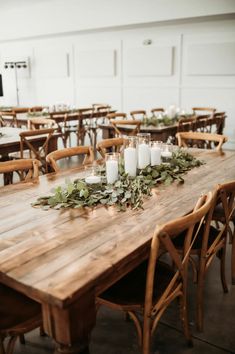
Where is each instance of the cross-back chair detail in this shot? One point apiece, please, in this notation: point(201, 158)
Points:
point(118, 123)
point(200, 139)
point(219, 118)
point(187, 124)
point(27, 169)
point(56, 155)
point(39, 153)
point(114, 144)
point(153, 285)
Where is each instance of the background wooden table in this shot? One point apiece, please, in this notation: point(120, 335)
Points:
point(63, 259)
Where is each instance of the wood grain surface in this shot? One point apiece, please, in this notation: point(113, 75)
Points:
point(56, 256)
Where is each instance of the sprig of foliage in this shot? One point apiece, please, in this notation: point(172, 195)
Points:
point(126, 192)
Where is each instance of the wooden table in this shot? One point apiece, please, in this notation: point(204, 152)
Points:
point(157, 133)
point(10, 141)
point(63, 259)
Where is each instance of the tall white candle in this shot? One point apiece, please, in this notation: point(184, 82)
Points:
point(143, 155)
point(111, 171)
point(155, 155)
point(130, 161)
point(92, 179)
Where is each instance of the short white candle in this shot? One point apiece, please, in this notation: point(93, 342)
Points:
point(111, 171)
point(143, 155)
point(130, 161)
point(155, 155)
point(92, 179)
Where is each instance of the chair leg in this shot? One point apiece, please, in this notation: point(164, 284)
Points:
point(42, 332)
point(11, 345)
point(146, 335)
point(184, 319)
point(233, 260)
point(222, 270)
point(22, 339)
point(199, 305)
point(2, 350)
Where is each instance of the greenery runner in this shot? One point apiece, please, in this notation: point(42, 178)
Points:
point(126, 192)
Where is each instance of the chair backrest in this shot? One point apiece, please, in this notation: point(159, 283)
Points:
point(36, 109)
point(40, 123)
point(28, 169)
point(187, 124)
point(162, 239)
point(157, 110)
point(141, 114)
point(110, 145)
point(56, 155)
point(135, 123)
point(116, 115)
point(219, 118)
point(204, 110)
point(226, 196)
point(202, 140)
point(36, 150)
point(9, 119)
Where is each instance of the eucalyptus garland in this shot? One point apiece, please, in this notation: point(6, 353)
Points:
point(126, 192)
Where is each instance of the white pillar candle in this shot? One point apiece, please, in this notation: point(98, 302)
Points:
point(166, 154)
point(143, 155)
point(92, 179)
point(130, 161)
point(111, 171)
point(155, 155)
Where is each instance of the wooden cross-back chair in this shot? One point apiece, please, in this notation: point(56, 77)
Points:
point(210, 242)
point(219, 118)
point(118, 115)
point(110, 145)
point(9, 119)
point(40, 152)
point(117, 125)
point(40, 123)
point(27, 169)
point(157, 110)
point(186, 124)
point(139, 114)
point(86, 151)
point(204, 110)
point(224, 214)
point(151, 287)
point(19, 315)
point(201, 140)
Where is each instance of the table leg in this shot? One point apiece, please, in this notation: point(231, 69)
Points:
point(70, 327)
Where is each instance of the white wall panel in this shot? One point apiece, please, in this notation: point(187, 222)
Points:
point(51, 62)
point(93, 63)
point(149, 61)
point(211, 59)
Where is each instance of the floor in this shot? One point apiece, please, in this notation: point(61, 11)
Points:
point(114, 335)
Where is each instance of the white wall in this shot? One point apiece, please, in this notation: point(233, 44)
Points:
point(188, 63)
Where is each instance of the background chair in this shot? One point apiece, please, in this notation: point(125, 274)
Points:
point(209, 242)
point(141, 114)
point(201, 140)
point(110, 145)
point(19, 315)
point(86, 151)
point(186, 124)
point(117, 125)
point(204, 110)
point(152, 286)
point(40, 123)
point(34, 150)
point(155, 111)
point(116, 115)
point(27, 169)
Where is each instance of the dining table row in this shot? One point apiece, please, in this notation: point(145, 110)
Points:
point(99, 233)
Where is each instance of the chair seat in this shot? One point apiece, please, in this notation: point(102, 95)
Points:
point(179, 240)
point(16, 309)
point(130, 290)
